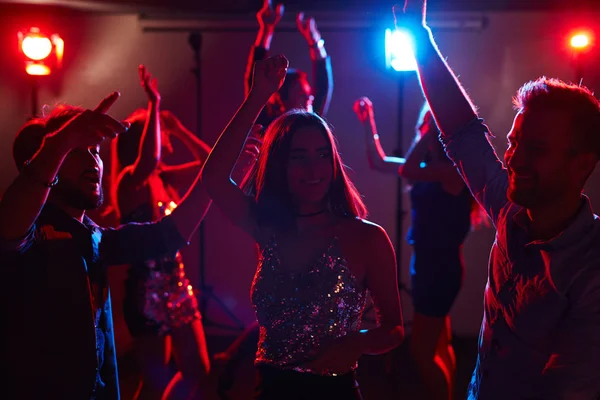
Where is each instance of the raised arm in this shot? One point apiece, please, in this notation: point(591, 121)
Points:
point(421, 168)
point(268, 18)
point(375, 153)
point(322, 72)
point(449, 103)
point(464, 136)
point(150, 143)
point(194, 144)
point(216, 174)
point(180, 176)
point(192, 209)
point(25, 197)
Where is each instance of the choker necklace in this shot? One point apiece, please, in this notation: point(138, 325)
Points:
point(311, 214)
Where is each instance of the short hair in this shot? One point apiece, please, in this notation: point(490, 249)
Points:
point(578, 101)
point(30, 137)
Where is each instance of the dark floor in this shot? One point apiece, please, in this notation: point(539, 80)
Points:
point(376, 384)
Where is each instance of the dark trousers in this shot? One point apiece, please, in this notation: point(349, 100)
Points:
point(276, 384)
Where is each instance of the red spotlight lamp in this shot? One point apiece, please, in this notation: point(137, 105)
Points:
point(581, 41)
point(37, 49)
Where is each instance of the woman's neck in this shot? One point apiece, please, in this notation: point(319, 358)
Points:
point(318, 221)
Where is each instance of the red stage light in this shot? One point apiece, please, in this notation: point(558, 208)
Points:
point(580, 41)
point(37, 47)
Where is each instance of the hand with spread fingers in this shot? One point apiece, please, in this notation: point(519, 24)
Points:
point(268, 17)
point(91, 127)
point(308, 29)
point(149, 84)
point(363, 108)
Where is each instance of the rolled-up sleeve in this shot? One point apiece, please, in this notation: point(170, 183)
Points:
point(481, 169)
point(136, 242)
point(573, 370)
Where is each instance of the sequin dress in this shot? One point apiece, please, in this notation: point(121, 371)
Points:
point(301, 312)
point(158, 294)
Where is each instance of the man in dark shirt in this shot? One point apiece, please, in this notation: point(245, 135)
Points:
point(296, 91)
point(55, 297)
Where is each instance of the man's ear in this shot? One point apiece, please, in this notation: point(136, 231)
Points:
point(586, 162)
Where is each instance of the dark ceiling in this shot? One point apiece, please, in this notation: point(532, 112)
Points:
point(249, 6)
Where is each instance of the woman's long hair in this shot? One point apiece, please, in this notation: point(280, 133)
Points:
point(268, 180)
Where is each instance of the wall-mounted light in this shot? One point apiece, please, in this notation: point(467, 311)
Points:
point(580, 43)
point(42, 53)
point(399, 50)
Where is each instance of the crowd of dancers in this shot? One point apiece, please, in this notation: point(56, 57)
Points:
point(276, 173)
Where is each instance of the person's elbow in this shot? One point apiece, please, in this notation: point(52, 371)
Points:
point(397, 334)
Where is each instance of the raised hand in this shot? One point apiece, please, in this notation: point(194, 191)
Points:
point(413, 11)
point(170, 124)
point(91, 127)
point(363, 108)
point(268, 17)
point(149, 84)
point(308, 29)
point(268, 76)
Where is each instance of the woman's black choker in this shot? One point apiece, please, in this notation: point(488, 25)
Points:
point(311, 214)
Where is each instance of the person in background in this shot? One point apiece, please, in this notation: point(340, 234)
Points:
point(443, 211)
point(296, 92)
point(160, 305)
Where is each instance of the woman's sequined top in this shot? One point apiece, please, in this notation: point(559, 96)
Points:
point(159, 289)
point(301, 312)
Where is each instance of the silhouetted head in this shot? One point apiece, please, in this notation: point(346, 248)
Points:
point(80, 176)
point(554, 143)
point(295, 93)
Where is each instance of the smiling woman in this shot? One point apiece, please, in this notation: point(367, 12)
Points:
point(318, 256)
point(301, 172)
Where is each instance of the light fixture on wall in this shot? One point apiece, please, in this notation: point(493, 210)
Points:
point(580, 42)
point(41, 55)
point(399, 50)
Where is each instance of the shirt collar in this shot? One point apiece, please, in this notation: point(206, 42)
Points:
point(57, 216)
point(581, 223)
